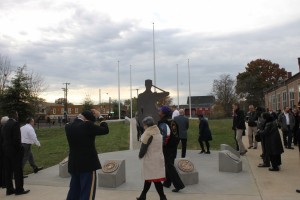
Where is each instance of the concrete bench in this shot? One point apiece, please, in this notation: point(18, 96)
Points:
point(187, 171)
point(229, 148)
point(229, 162)
point(63, 168)
point(112, 174)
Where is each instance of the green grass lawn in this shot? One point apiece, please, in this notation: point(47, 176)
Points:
point(55, 147)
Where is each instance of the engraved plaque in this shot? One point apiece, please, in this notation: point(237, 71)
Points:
point(110, 166)
point(185, 166)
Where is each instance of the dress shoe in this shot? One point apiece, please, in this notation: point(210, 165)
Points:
point(250, 147)
point(23, 192)
point(25, 176)
point(274, 169)
point(175, 190)
point(201, 152)
point(263, 165)
point(10, 192)
point(36, 170)
point(298, 191)
point(208, 152)
point(243, 153)
point(290, 147)
point(254, 147)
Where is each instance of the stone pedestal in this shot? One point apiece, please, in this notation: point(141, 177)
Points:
point(187, 171)
point(63, 168)
point(112, 174)
point(229, 162)
point(229, 148)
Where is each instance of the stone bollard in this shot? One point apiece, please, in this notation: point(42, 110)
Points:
point(187, 171)
point(63, 168)
point(229, 162)
point(112, 174)
point(229, 148)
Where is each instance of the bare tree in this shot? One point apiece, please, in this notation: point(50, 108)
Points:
point(224, 90)
point(5, 71)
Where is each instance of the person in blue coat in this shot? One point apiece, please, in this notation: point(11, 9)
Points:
point(204, 134)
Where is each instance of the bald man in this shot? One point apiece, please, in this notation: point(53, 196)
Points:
point(183, 126)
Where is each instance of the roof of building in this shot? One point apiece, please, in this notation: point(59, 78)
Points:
point(202, 101)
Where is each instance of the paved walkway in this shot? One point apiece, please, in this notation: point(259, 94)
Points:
point(252, 183)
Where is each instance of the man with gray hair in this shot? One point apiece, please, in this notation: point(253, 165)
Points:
point(183, 125)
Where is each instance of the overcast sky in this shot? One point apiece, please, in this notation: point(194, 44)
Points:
point(80, 42)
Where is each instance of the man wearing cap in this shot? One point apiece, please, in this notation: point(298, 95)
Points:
point(83, 156)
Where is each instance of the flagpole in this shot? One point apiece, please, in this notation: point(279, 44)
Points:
point(130, 94)
point(154, 69)
point(190, 103)
point(177, 89)
point(119, 90)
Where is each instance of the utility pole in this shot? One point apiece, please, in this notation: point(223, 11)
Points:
point(66, 101)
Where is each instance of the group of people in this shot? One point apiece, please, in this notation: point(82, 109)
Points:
point(15, 151)
point(264, 126)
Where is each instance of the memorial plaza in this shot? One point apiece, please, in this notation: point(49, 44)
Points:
point(251, 183)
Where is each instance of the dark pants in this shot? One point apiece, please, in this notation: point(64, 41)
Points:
point(287, 137)
point(2, 172)
point(265, 155)
point(295, 135)
point(82, 186)
point(171, 172)
point(158, 186)
point(28, 156)
point(236, 142)
point(202, 145)
point(275, 160)
point(183, 147)
point(13, 168)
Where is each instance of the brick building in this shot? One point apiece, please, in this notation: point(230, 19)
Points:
point(286, 93)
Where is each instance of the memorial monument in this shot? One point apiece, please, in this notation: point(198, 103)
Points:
point(147, 102)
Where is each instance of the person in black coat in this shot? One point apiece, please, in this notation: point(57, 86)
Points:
point(204, 134)
point(239, 127)
point(170, 142)
point(2, 172)
point(83, 156)
point(13, 155)
point(272, 144)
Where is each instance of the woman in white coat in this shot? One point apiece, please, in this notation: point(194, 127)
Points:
point(153, 164)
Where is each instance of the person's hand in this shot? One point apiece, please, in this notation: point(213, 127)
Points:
point(96, 113)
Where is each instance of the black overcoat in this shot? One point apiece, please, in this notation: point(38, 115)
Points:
point(272, 139)
point(204, 131)
point(83, 156)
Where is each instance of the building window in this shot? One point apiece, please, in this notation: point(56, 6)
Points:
point(292, 97)
point(278, 102)
point(284, 100)
point(273, 102)
point(69, 110)
point(54, 111)
point(76, 110)
point(270, 101)
point(62, 111)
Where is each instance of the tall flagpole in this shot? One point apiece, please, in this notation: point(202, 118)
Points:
point(190, 103)
point(154, 81)
point(177, 89)
point(119, 89)
point(130, 94)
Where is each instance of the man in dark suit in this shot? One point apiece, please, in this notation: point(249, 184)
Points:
point(83, 156)
point(13, 155)
point(183, 126)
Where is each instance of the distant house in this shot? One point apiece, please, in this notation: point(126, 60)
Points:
point(199, 105)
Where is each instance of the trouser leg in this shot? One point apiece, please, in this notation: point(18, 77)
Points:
point(26, 154)
point(8, 174)
point(284, 138)
point(207, 145)
point(31, 160)
point(183, 151)
point(88, 182)
point(18, 172)
point(295, 136)
point(160, 190)
point(239, 135)
point(250, 136)
point(146, 188)
point(254, 132)
point(236, 142)
point(201, 144)
point(74, 190)
point(290, 137)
